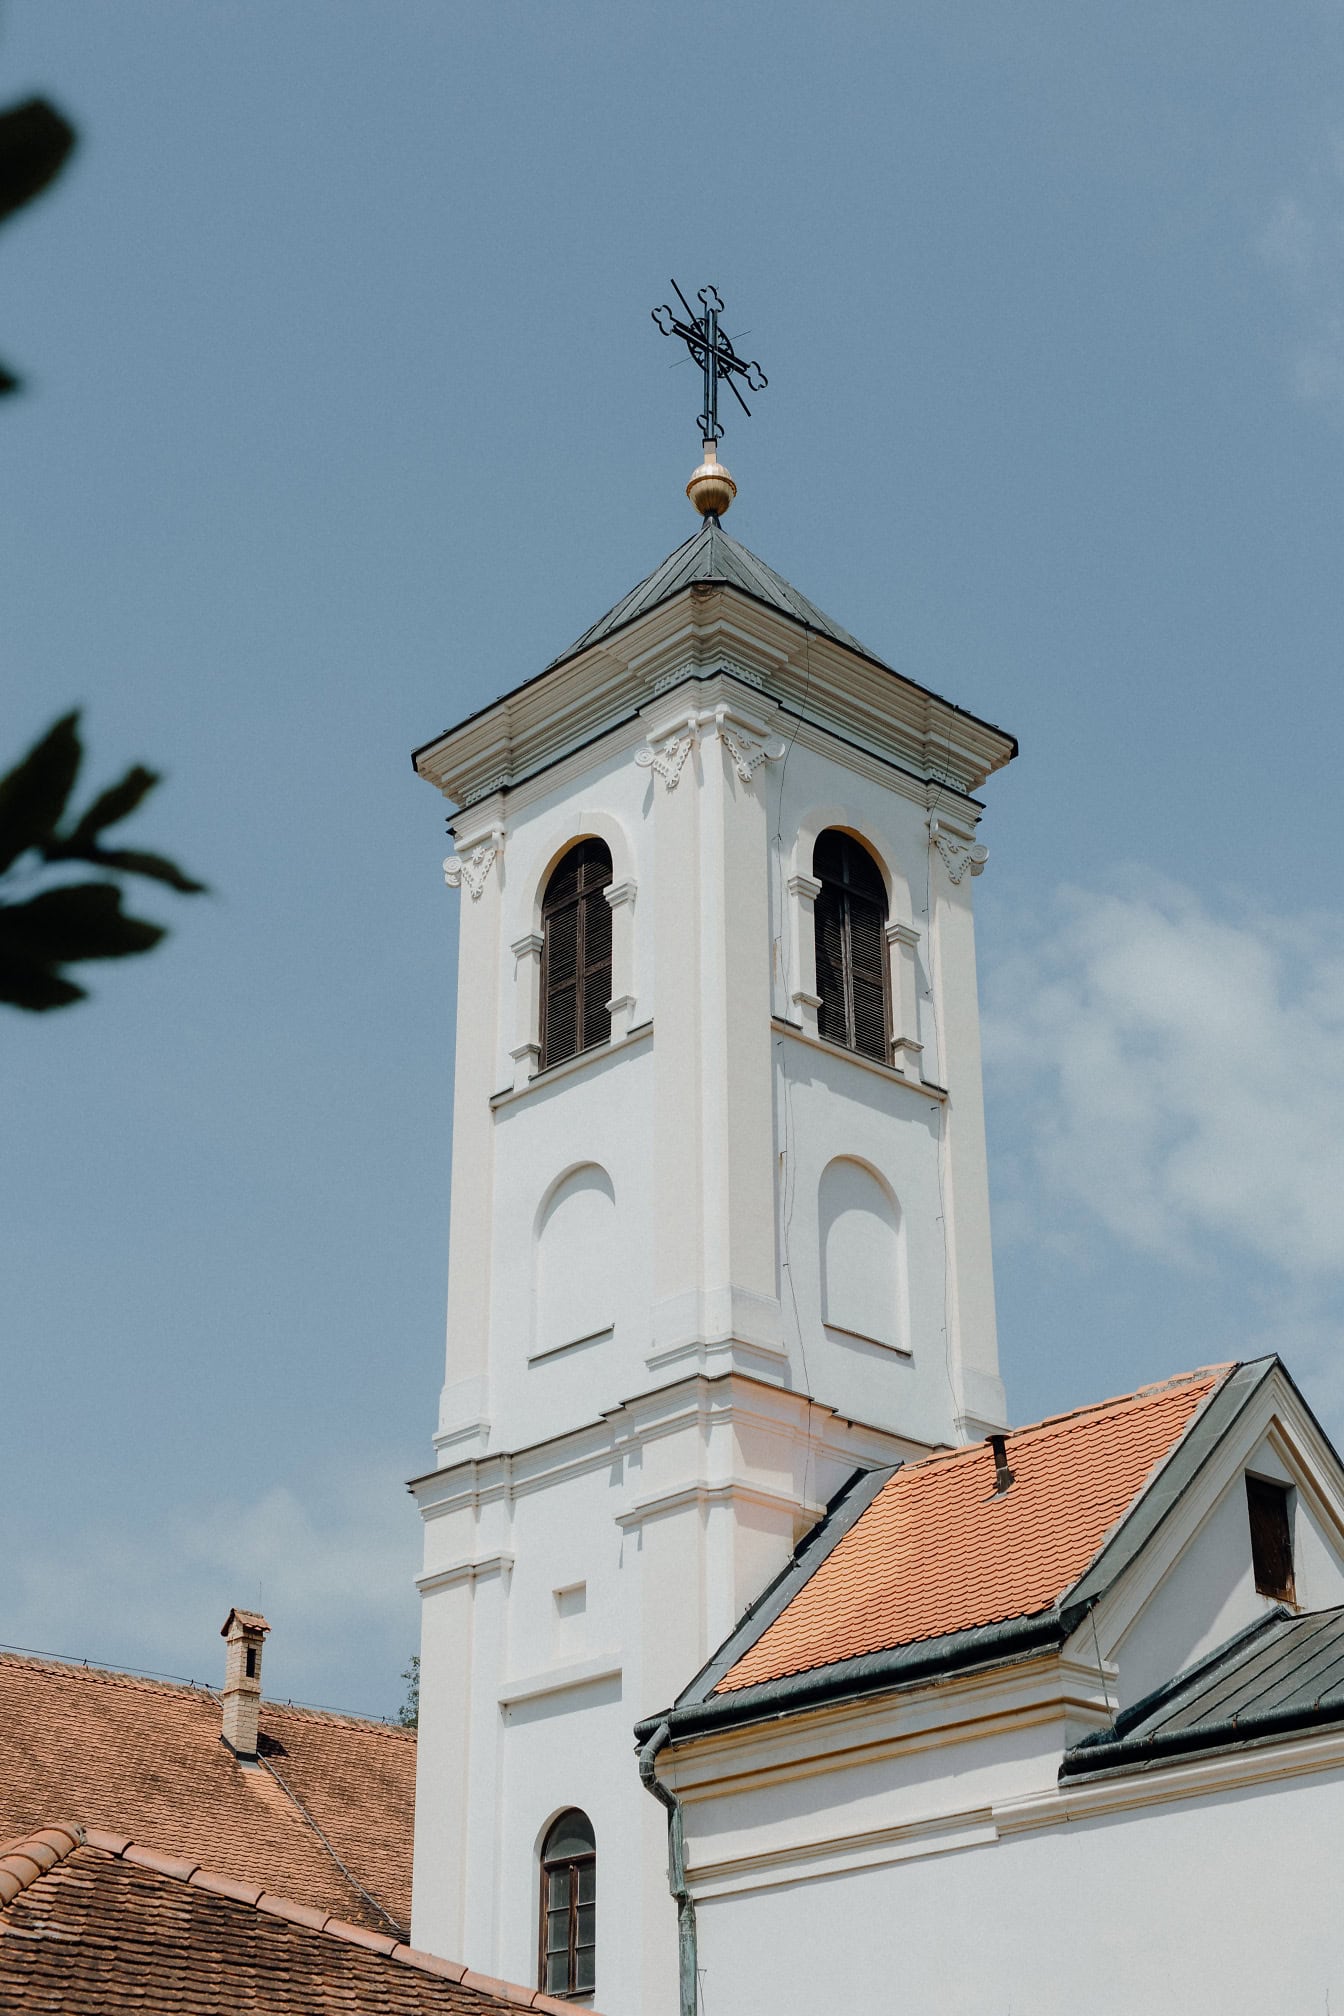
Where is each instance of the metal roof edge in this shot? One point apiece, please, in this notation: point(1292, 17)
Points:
point(1211, 1423)
point(1171, 1690)
point(826, 630)
point(1240, 1732)
point(825, 1686)
point(842, 1514)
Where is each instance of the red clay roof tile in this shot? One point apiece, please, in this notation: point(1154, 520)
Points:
point(940, 1550)
point(128, 1937)
point(144, 1757)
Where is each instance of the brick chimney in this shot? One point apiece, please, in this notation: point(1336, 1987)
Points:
point(244, 1631)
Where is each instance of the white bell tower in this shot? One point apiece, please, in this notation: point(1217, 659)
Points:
point(720, 1235)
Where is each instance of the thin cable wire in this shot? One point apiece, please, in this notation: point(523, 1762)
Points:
point(91, 1665)
point(789, 1156)
point(1101, 1670)
point(352, 1880)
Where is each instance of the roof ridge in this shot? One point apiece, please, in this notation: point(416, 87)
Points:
point(121, 1676)
point(33, 1854)
point(181, 1869)
point(376, 1723)
point(85, 1669)
point(1148, 1392)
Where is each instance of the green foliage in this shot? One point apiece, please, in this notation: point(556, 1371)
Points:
point(408, 1715)
point(64, 923)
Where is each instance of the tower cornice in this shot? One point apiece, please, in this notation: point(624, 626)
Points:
point(705, 628)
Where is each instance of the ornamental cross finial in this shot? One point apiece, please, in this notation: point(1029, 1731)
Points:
point(713, 351)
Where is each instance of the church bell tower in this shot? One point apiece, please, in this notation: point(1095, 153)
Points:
point(720, 1226)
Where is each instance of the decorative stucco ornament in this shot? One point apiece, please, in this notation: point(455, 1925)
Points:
point(471, 868)
point(958, 854)
point(669, 757)
point(747, 753)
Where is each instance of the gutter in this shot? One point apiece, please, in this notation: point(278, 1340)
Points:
point(676, 1866)
point(921, 1663)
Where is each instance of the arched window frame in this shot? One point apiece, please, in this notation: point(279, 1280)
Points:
point(568, 1891)
point(849, 925)
point(801, 1000)
point(581, 974)
point(528, 950)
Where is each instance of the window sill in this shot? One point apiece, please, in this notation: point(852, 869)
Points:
point(849, 1336)
point(581, 1062)
point(561, 1679)
point(601, 1336)
point(887, 1071)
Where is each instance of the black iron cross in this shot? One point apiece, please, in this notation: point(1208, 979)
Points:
point(713, 352)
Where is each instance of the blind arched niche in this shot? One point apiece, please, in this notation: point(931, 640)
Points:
point(862, 1285)
point(575, 1267)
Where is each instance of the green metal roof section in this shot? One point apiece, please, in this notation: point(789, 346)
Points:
point(1282, 1675)
point(713, 555)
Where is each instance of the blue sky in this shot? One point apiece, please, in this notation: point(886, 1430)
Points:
point(345, 413)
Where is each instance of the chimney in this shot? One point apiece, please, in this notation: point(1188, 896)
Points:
point(244, 1630)
point(1003, 1476)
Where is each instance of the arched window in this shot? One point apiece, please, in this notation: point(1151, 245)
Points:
point(576, 954)
point(851, 911)
point(568, 1907)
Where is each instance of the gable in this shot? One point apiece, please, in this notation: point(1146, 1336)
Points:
point(1194, 1589)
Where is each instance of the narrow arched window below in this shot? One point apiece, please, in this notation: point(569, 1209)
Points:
point(576, 954)
point(851, 911)
point(568, 1907)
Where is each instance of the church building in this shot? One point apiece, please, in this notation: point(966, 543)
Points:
point(763, 1665)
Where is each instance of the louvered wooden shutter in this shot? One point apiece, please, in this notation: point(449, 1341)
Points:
point(868, 995)
point(830, 915)
point(576, 959)
point(850, 913)
point(595, 915)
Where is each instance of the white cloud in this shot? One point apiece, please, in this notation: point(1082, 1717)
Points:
point(1304, 244)
point(1179, 1075)
point(332, 1570)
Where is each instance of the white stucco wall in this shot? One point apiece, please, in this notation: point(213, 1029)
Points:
point(1218, 1906)
point(643, 1407)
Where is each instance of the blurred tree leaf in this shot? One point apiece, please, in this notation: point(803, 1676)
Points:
point(117, 802)
point(68, 922)
point(83, 920)
point(64, 922)
point(35, 144)
point(34, 794)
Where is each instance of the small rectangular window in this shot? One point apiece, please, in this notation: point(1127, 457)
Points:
point(1271, 1538)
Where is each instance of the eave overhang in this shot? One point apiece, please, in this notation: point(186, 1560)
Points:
point(699, 1711)
point(705, 628)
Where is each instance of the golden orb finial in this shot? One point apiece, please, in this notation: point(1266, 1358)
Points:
point(711, 489)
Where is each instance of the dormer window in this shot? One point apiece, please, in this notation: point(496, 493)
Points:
point(576, 954)
point(851, 912)
point(1270, 1509)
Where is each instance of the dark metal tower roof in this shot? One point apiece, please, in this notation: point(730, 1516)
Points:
point(711, 554)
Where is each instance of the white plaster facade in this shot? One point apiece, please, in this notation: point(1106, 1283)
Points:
point(631, 1440)
point(925, 1840)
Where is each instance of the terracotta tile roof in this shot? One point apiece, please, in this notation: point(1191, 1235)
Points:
point(145, 1757)
point(939, 1551)
point(92, 1921)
